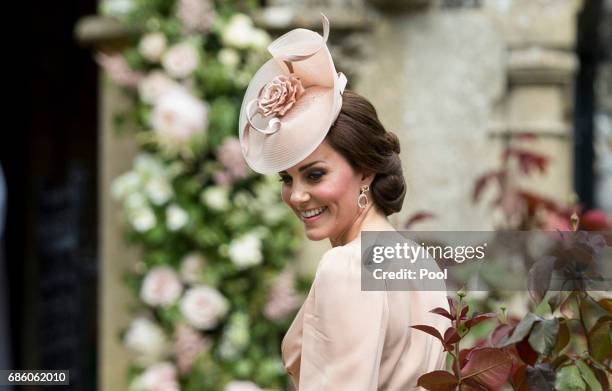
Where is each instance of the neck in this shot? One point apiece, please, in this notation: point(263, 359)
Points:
point(370, 219)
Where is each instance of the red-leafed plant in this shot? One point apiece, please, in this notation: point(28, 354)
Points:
point(478, 368)
point(571, 348)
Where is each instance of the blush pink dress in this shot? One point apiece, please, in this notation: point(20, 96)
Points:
point(346, 339)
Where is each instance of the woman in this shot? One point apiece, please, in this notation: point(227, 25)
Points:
point(341, 175)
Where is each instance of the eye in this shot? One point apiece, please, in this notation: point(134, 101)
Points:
point(316, 176)
point(286, 179)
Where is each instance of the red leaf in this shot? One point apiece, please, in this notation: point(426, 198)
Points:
point(519, 379)
point(526, 352)
point(453, 306)
point(484, 180)
point(488, 366)
point(418, 216)
point(500, 332)
point(472, 385)
point(438, 381)
point(429, 330)
point(443, 312)
point(464, 353)
point(527, 160)
point(534, 202)
point(451, 336)
point(479, 318)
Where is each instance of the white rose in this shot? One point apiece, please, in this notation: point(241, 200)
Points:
point(154, 85)
point(229, 57)
point(245, 251)
point(152, 46)
point(159, 190)
point(161, 287)
point(272, 214)
point(142, 219)
point(203, 306)
point(125, 184)
point(159, 377)
point(178, 116)
point(135, 201)
point(148, 166)
point(260, 39)
point(146, 339)
point(242, 385)
point(238, 31)
point(216, 198)
point(192, 265)
point(176, 217)
point(181, 60)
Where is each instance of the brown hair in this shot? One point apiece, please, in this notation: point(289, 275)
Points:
point(363, 141)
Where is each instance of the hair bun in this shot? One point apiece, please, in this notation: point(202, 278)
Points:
point(393, 141)
point(389, 186)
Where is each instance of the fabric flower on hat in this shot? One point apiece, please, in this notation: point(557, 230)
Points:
point(279, 95)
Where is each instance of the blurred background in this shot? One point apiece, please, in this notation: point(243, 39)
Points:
point(468, 85)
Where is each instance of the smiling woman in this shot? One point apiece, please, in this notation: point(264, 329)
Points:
point(341, 174)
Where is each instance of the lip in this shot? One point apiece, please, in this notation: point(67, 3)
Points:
point(310, 220)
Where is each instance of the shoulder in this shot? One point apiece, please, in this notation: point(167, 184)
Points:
point(338, 262)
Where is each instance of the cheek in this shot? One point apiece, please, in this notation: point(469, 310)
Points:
point(285, 194)
point(336, 192)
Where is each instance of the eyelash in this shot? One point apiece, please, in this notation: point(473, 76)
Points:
point(317, 177)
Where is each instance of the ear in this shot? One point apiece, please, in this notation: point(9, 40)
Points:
point(367, 178)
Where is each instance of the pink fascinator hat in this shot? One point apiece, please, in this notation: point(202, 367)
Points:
point(291, 102)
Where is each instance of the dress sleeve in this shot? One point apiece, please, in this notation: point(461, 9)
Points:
point(344, 329)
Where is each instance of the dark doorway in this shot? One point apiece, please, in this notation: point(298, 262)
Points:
point(590, 50)
point(50, 168)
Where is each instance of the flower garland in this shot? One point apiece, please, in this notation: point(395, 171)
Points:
point(214, 293)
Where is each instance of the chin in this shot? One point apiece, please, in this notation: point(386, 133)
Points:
point(316, 235)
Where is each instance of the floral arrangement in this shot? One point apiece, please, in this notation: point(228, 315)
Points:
point(214, 293)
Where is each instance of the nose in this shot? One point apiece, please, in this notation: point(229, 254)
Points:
point(298, 196)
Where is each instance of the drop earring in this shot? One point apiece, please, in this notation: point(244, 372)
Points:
point(363, 200)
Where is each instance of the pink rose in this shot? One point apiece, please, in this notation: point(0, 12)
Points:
point(279, 95)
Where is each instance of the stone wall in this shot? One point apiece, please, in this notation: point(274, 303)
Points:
point(434, 79)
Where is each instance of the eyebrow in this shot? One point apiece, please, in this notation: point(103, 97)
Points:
point(304, 167)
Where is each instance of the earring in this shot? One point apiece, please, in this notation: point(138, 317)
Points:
point(362, 200)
